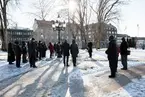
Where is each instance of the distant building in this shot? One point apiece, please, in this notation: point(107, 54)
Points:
point(107, 29)
point(120, 36)
point(140, 41)
point(43, 31)
point(19, 35)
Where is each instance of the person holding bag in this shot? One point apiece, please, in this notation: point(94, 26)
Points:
point(124, 52)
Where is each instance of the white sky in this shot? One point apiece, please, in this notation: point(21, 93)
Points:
point(131, 15)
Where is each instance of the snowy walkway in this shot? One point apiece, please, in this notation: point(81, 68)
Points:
point(88, 79)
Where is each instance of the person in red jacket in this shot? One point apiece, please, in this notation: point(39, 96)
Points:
point(51, 48)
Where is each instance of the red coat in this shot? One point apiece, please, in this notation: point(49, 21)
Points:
point(51, 48)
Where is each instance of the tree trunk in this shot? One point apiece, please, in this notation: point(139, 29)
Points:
point(4, 37)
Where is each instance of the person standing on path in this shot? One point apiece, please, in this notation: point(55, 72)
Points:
point(123, 52)
point(32, 53)
point(24, 52)
point(74, 52)
point(90, 44)
point(11, 54)
point(112, 56)
point(18, 52)
point(51, 49)
point(58, 50)
point(65, 52)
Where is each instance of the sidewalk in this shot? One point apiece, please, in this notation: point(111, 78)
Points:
point(102, 85)
point(8, 71)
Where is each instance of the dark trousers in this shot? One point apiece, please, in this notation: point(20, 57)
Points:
point(74, 60)
point(18, 61)
point(24, 57)
point(59, 54)
point(51, 53)
point(124, 61)
point(90, 54)
point(116, 63)
point(40, 55)
point(112, 65)
point(65, 61)
point(32, 61)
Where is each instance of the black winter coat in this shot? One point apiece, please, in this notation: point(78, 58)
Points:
point(18, 50)
point(32, 49)
point(112, 50)
point(90, 47)
point(123, 48)
point(74, 50)
point(65, 49)
point(11, 54)
point(24, 49)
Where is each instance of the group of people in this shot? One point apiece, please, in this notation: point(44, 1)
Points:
point(32, 51)
point(64, 50)
point(113, 53)
point(37, 50)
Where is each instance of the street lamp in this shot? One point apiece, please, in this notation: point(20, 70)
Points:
point(58, 25)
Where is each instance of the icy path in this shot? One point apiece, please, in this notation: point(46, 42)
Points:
point(88, 79)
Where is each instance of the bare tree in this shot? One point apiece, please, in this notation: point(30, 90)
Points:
point(3, 20)
point(106, 11)
point(81, 19)
point(43, 8)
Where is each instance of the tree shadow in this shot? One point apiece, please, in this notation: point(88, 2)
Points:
point(60, 88)
point(124, 80)
point(8, 82)
point(76, 83)
point(32, 89)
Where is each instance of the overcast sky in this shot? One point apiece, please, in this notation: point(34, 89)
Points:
point(131, 16)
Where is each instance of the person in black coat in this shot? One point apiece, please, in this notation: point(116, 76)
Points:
point(123, 52)
point(32, 53)
point(58, 50)
point(90, 49)
point(74, 51)
point(55, 48)
point(65, 52)
point(37, 51)
point(18, 52)
point(24, 52)
point(39, 48)
point(112, 56)
point(44, 49)
point(11, 54)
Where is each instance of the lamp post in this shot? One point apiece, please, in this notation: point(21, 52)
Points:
point(137, 30)
point(59, 26)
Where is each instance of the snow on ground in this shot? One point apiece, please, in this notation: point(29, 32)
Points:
point(134, 89)
point(73, 83)
point(7, 71)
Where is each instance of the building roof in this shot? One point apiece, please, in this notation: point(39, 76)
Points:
point(105, 25)
point(42, 23)
point(139, 38)
point(122, 35)
point(20, 30)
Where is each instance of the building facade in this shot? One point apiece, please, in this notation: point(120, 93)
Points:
point(43, 31)
point(19, 35)
point(107, 30)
